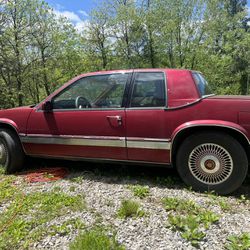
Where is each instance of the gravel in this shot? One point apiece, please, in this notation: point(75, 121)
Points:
point(106, 186)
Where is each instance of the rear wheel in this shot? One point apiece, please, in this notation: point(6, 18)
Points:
point(11, 152)
point(210, 161)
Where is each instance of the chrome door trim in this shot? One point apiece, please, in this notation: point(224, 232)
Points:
point(76, 140)
point(99, 141)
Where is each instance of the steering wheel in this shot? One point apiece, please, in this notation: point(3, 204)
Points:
point(82, 102)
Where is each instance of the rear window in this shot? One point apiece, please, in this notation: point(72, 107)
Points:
point(202, 84)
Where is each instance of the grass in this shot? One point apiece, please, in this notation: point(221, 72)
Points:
point(243, 200)
point(65, 227)
point(190, 219)
point(78, 179)
point(222, 202)
point(239, 242)
point(140, 191)
point(96, 239)
point(23, 222)
point(7, 190)
point(130, 208)
point(40, 208)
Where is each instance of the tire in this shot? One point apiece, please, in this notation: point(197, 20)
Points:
point(210, 161)
point(11, 152)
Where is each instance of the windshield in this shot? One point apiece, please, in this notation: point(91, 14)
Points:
point(202, 84)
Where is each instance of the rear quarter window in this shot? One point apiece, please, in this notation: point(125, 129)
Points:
point(202, 84)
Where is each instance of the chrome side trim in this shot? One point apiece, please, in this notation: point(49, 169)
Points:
point(147, 108)
point(76, 141)
point(189, 104)
point(99, 141)
point(149, 143)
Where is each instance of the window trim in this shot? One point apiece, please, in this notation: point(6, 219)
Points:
point(94, 109)
point(128, 106)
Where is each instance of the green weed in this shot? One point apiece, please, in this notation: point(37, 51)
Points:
point(2, 170)
point(179, 205)
point(66, 227)
point(95, 239)
point(189, 218)
point(24, 220)
point(130, 208)
point(78, 179)
point(140, 191)
point(222, 202)
point(241, 242)
point(56, 189)
point(7, 188)
point(72, 189)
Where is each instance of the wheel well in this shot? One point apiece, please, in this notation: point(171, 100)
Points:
point(8, 126)
point(182, 135)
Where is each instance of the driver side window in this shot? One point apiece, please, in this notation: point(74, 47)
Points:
point(102, 91)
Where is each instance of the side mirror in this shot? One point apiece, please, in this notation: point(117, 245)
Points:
point(47, 106)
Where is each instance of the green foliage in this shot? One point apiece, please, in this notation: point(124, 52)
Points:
point(189, 218)
point(140, 191)
point(7, 188)
point(130, 208)
point(189, 227)
point(240, 242)
point(78, 179)
point(66, 227)
point(181, 205)
point(24, 219)
point(243, 199)
point(222, 202)
point(40, 51)
point(95, 239)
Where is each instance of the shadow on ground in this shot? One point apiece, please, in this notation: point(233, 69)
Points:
point(153, 176)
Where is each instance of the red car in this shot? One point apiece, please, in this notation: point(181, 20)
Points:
point(152, 116)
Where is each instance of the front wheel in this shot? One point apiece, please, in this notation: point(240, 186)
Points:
point(210, 161)
point(11, 152)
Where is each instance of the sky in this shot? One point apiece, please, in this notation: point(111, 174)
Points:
point(73, 5)
point(77, 11)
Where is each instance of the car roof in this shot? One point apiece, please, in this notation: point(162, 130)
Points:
point(130, 70)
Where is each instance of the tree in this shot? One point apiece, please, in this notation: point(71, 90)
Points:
point(13, 41)
point(98, 37)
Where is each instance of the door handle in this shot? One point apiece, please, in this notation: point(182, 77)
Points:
point(115, 120)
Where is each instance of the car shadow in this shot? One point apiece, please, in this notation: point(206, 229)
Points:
point(113, 173)
point(127, 174)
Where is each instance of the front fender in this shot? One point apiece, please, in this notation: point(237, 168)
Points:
point(10, 123)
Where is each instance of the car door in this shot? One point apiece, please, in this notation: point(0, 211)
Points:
point(87, 120)
point(147, 128)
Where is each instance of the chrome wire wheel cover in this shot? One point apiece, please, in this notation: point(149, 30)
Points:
point(3, 153)
point(210, 163)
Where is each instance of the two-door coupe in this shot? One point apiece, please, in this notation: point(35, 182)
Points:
point(152, 116)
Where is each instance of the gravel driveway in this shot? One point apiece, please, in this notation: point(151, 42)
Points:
point(105, 186)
